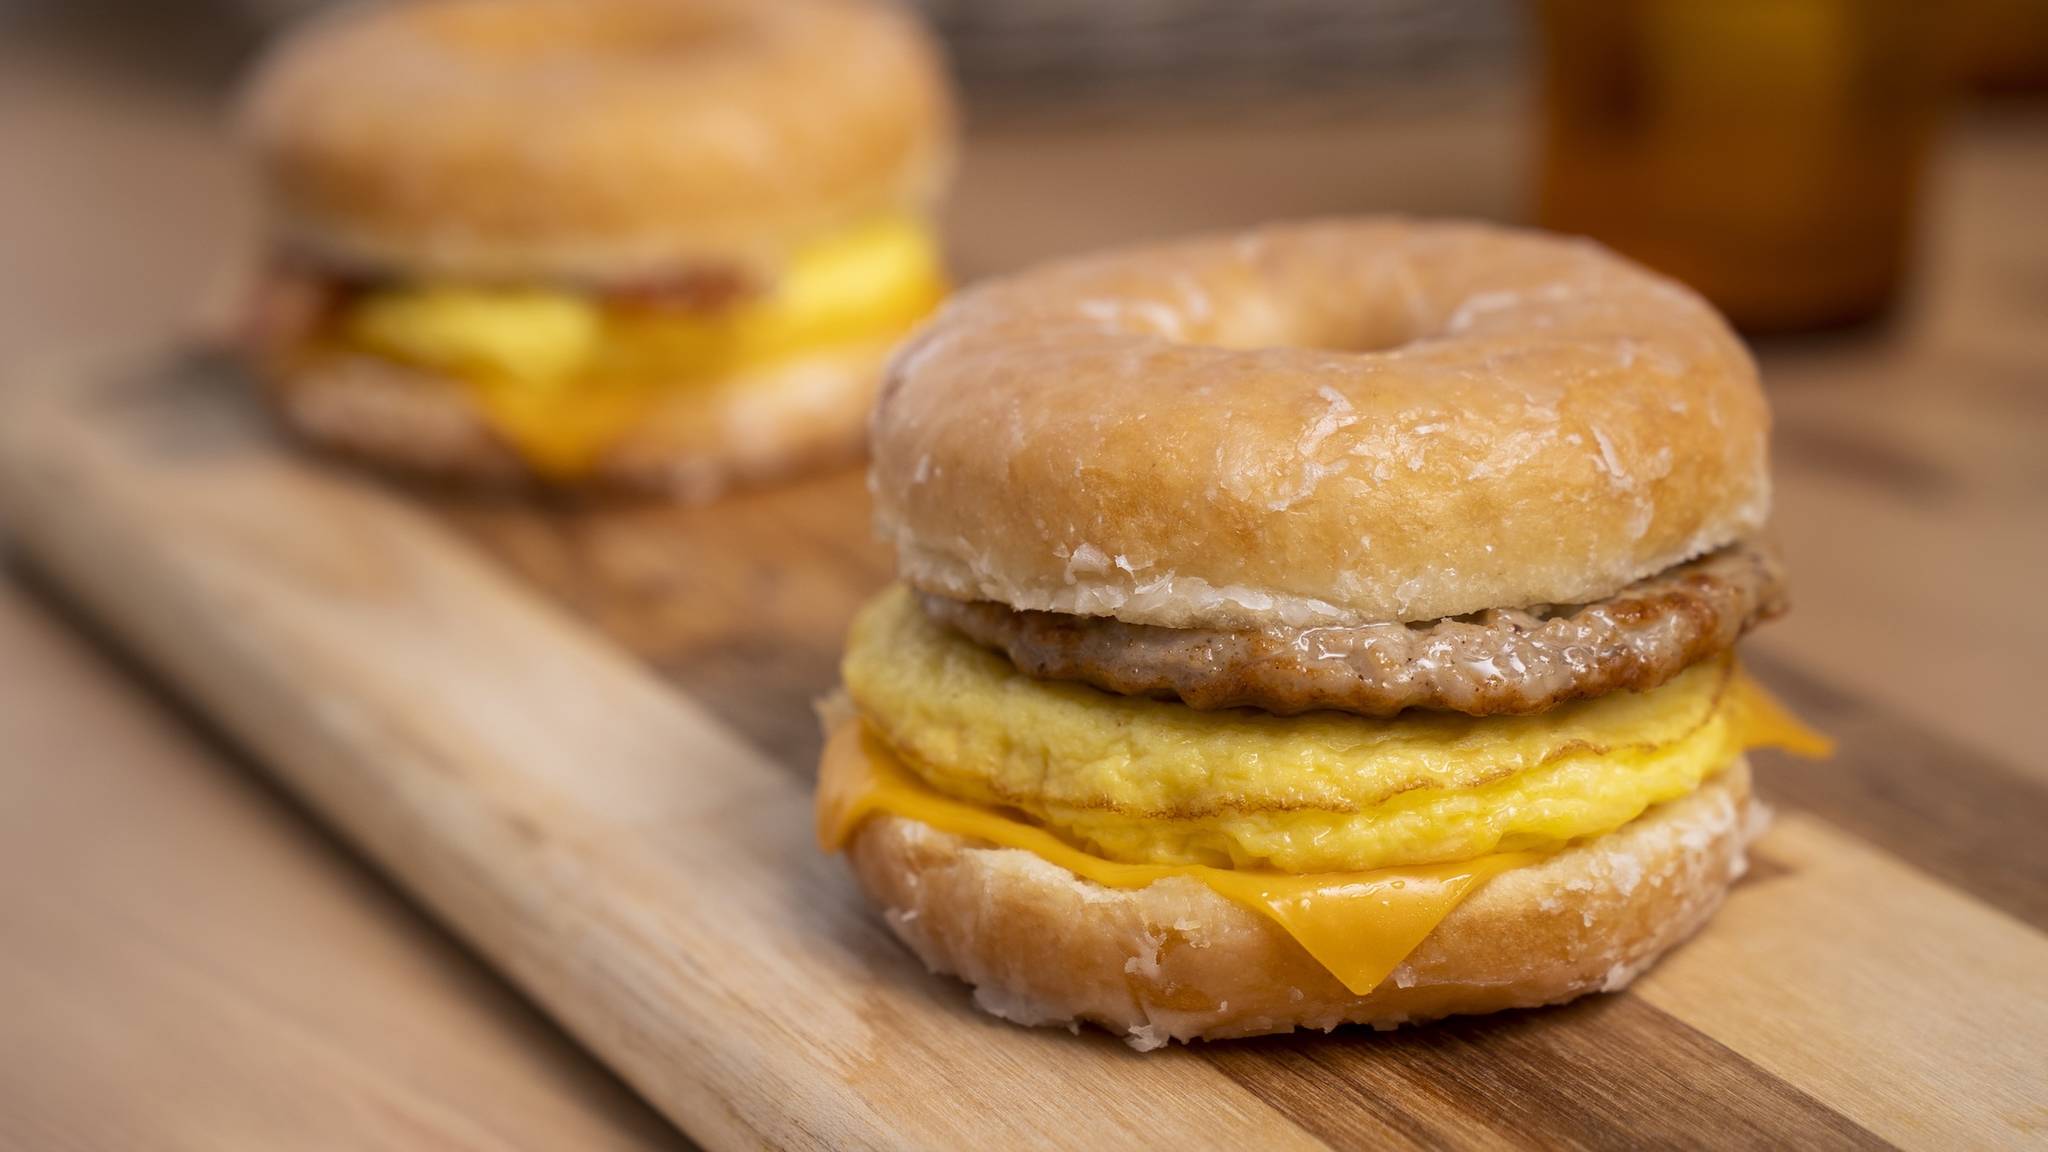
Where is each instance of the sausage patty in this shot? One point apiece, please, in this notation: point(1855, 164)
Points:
point(1504, 660)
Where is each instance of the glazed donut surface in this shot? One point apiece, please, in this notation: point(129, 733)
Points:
point(1340, 422)
point(598, 141)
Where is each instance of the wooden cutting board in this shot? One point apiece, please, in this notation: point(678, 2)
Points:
point(581, 736)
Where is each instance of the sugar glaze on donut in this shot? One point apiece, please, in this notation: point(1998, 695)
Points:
point(1336, 422)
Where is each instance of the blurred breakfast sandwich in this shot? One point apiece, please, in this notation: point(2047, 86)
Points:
point(655, 245)
point(1329, 623)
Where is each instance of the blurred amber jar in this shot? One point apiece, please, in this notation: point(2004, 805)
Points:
point(1766, 152)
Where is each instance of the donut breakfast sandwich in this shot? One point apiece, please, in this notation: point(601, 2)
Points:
point(644, 245)
point(1331, 623)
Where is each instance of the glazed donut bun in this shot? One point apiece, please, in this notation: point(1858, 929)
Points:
point(1344, 422)
point(658, 245)
point(1327, 624)
point(595, 141)
point(1176, 961)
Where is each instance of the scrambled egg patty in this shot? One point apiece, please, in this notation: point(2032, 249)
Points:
point(1148, 781)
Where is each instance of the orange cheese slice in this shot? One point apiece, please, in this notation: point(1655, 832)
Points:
point(560, 432)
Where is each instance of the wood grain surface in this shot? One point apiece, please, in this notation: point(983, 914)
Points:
point(632, 850)
point(209, 969)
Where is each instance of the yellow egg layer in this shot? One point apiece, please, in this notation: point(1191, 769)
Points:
point(561, 374)
point(1147, 781)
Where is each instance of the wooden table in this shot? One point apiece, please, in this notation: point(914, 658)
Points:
point(270, 989)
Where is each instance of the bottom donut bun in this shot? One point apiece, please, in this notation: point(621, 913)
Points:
point(795, 416)
point(1177, 961)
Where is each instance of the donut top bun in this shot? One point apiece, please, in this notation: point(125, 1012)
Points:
point(600, 141)
point(1339, 422)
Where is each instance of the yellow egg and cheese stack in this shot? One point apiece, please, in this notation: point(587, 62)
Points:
point(562, 375)
point(1241, 680)
point(1355, 836)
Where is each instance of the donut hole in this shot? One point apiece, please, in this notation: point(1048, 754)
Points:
point(1281, 307)
point(1319, 325)
point(1355, 332)
point(533, 33)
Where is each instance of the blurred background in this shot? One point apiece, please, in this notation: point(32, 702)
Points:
point(1777, 154)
